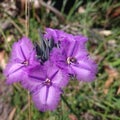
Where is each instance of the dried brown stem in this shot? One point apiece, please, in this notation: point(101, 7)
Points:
point(54, 10)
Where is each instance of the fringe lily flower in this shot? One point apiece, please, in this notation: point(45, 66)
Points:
point(44, 68)
point(72, 54)
point(22, 58)
point(46, 83)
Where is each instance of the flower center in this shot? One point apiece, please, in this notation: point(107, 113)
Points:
point(71, 60)
point(25, 63)
point(48, 81)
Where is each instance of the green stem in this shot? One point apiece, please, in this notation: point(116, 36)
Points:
point(69, 106)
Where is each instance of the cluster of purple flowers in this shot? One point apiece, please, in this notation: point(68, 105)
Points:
point(45, 69)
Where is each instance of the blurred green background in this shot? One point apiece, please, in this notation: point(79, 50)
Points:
point(99, 20)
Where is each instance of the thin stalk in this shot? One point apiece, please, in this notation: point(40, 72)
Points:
point(27, 16)
point(15, 25)
point(69, 106)
point(63, 6)
point(72, 10)
point(6, 43)
point(29, 106)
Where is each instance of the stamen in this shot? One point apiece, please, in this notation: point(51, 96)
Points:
point(47, 81)
point(71, 60)
point(25, 63)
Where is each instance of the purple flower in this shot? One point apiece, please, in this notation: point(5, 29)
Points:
point(72, 55)
point(22, 58)
point(45, 83)
point(58, 58)
point(55, 34)
point(44, 69)
point(46, 98)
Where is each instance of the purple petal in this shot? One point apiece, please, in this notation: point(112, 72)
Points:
point(16, 53)
point(33, 62)
point(57, 35)
point(81, 38)
point(36, 76)
point(14, 72)
point(78, 50)
point(74, 48)
point(26, 46)
point(83, 74)
point(61, 35)
point(85, 69)
point(61, 78)
point(68, 45)
point(22, 49)
point(58, 58)
point(58, 76)
point(50, 33)
point(87, 63)
point(47, 98)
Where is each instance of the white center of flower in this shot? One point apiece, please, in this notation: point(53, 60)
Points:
point(71, 60)
point(47, 81)
point(26, 62)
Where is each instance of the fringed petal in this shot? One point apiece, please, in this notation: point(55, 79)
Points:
point(14, 72)
point(36, 76)
point(46, 98)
